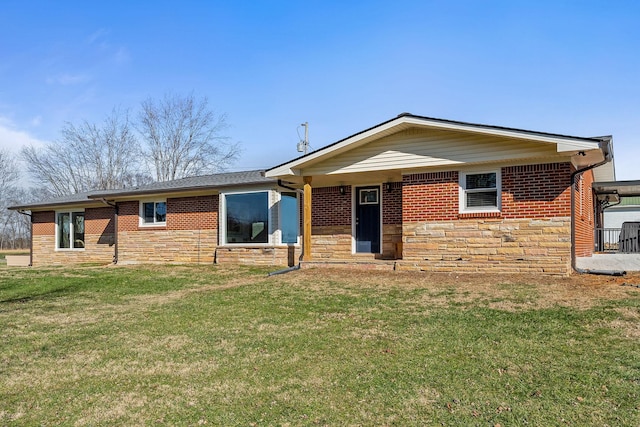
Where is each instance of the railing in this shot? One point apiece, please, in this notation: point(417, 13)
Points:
point(622, 240)
point(607, 239)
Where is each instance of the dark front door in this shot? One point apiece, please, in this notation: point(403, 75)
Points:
point(368, 220)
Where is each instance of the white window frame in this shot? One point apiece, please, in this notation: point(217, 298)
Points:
point(155, 223)
point(462, 183)
point(71, 230)
point(223, 218)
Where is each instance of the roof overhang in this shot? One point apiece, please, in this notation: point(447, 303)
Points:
point(589, 148)
point(81, 204)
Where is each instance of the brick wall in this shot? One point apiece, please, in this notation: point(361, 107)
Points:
point(532, 232)
point(536, 191)
point(430, 196)
point(584, 211)
point(189, 213)
point(189, 236)
point(330, 208)
point(98, 239)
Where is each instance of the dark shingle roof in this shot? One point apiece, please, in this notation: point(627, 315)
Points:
point(219, 180)
point(71, 199)
point(229, 179)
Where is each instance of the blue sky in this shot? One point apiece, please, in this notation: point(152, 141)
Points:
point(569, 67)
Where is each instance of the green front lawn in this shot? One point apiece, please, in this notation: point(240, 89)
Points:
point(229, 346)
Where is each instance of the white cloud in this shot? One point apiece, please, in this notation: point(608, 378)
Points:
point(13, 140)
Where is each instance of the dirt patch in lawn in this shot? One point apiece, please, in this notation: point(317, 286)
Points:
point(500, 291)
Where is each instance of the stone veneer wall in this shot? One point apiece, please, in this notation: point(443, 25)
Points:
point(263, 255)
point(532, 233)
point(190, 234)
point(98, 237)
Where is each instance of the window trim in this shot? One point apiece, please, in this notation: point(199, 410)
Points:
point(71, 230)
point(141, 221)
point(462, 200)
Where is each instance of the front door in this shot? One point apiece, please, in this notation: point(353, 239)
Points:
point(368, 219)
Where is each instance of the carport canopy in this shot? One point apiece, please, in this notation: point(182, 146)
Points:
point(612, 191)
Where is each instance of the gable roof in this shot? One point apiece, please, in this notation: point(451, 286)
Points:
point(214, 181)
point(564, 143)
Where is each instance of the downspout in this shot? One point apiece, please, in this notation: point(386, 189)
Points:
point(31, 236)
point(605, 146)
point(115, 228)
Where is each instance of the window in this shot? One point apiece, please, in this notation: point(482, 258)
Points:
point(369, 196)
point(247, 217)
point(479, 192)
point(289, 222)
point(153, 213)
point(70, 230)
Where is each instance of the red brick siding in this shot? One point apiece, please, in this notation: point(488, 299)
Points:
point(329, 207)
point(584, 212)
point(392, 205)
point(99, 220)
point(96, 221)
point(44, 223)
point(128, 216)
point(430, 196)
point(536, 191)
point(192, 213)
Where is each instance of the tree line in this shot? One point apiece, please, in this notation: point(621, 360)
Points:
point(169, 138)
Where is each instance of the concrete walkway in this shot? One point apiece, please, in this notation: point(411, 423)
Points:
point(617, 262)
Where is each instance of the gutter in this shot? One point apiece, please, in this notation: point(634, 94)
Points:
point(115, 228)
point(605, 146)
point(22, 212)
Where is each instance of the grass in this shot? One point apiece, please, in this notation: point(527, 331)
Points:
point(229, 346)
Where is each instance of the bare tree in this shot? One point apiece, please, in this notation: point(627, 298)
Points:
point(183, 137)
point(87, 157)
point(9, 175)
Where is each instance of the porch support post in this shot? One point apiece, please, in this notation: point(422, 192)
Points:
point(306, 220)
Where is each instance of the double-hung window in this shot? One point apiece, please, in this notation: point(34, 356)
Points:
point(70, 230)
point(480, 191)
point(153, 213)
